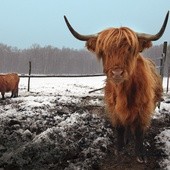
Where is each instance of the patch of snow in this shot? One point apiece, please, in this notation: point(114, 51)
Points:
point(164, 138)
point(47, 93)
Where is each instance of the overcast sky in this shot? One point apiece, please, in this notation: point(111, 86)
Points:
point(27, 22)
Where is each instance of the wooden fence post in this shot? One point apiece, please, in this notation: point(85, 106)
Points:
point(163, 58)
point(162, 64)
point(29, 73)
point(168, 77)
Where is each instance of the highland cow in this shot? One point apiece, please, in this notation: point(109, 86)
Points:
point(133, 86)
point(9, 83)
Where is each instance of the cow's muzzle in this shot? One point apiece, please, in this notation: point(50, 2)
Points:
point(117, 75)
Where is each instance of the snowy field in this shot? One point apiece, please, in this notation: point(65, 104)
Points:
point(54, 113)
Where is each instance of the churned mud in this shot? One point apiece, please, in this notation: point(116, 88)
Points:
point(69, 136)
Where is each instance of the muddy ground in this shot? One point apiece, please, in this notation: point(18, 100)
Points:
point(70, 136)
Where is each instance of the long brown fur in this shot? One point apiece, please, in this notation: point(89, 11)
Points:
point(9, 83)
point(133, 100)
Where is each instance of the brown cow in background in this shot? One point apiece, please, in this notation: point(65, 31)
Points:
point(9, 82)
point(133, 86)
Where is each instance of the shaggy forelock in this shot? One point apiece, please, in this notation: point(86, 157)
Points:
point(116, 40)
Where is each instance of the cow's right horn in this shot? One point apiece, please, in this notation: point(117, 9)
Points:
point(76, 34)
point(155, 37)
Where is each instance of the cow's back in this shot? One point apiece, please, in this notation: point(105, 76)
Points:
point(9, 82)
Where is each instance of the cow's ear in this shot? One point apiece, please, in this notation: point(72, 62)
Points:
point(144, 44)
point(91, 44)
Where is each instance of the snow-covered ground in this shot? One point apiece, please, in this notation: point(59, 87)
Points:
point(51, 119)
point(46, 92)
point(164, 136)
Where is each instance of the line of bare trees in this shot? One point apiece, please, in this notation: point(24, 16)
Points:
point(52, 60)
point(48, 60)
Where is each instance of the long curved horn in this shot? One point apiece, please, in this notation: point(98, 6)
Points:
point(155, 37)
point(76, 34)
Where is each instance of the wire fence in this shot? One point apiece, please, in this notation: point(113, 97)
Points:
point(59, 75)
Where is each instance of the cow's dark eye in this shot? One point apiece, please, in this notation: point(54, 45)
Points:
point(130, 49)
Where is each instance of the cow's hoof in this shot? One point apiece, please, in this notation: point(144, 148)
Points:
point(141, 159)
point(116, 152)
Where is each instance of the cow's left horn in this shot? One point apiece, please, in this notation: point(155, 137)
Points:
point(155, 37)
point(76, 34)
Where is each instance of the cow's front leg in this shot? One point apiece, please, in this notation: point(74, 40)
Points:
point(3, 95)
point(139, 148)
point(12, 94)
point(120, 137)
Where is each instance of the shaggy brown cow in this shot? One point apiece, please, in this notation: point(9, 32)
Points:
point(9, 82)
point(133, 86)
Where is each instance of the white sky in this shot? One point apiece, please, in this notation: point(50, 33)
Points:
point(27, 22)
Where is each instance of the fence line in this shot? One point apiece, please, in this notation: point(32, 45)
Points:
point(29, 76)
point(59, 75)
